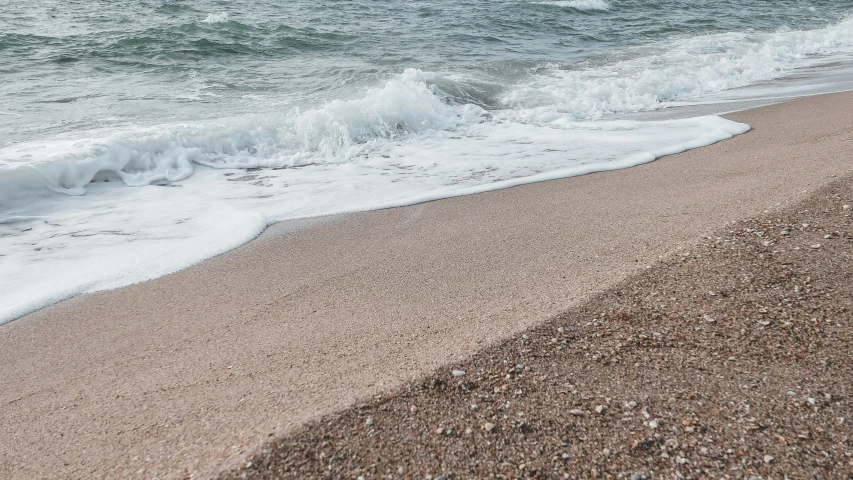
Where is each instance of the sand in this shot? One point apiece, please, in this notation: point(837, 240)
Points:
point(191, 373)
point(731, 360)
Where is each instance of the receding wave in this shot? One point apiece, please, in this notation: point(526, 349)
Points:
point(403, 143)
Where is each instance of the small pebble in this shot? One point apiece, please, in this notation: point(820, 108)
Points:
point(846, 207)
point(599, 409)
point(458, 373)
point(816, 245)
point(653, 424)
point(577, 412)
point(605, 452)
point(768, 459)
point(369, 422)
point(489, 427)
point(632, 404)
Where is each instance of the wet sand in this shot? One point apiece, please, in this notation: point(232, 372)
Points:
point(191, 373)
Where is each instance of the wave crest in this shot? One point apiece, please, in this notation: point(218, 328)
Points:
point(216, 18)
point(335, 133)
point(583, 5)
point(679, 71)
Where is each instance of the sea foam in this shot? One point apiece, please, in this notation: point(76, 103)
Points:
point(662, 75)
point(216, 18)
point(57, 245)
point(584, 5)
point(71, 223)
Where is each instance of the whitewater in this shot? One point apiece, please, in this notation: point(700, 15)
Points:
point(138, 143)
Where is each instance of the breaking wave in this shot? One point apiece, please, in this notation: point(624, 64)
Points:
point(584, 5)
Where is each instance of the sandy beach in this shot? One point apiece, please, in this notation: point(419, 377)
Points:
point(187, 376)
point(729, 360)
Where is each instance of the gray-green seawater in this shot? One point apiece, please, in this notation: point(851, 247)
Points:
point(254, 112)
point(77, 64)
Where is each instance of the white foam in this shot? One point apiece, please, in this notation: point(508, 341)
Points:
point(56, 245)
point(658, 76)
point(578, 4)
point(70, 224)
point(216, 18)
point(337, 132)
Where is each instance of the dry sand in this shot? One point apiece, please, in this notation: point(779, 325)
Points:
point(189, 373)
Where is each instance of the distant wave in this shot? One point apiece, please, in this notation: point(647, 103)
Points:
point(680, 70)
point(216, 18)
point(578, 4)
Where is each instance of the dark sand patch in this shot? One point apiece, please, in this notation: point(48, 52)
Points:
point(731, 359)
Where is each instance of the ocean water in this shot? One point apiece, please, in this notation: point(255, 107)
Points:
point(137, 138)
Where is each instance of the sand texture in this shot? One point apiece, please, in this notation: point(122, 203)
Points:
point(189, 374)
point(733, 359)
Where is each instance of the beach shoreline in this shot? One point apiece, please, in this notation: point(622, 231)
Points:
point(306, 321)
